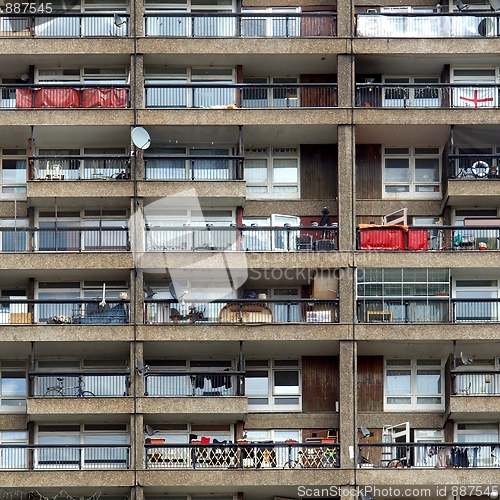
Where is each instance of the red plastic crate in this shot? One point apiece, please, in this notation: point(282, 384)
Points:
point(418, 239)
point(382, 239)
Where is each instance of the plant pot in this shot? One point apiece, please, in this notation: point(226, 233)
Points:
point(328, 441)
point(241, 441)
point(195, 441)
point(155, 440)
point(290, 440)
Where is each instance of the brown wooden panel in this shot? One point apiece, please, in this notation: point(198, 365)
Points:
point(320, 97)
point(318, 26)
point(320, 383)
point(318, 171)
point(370, 383)
point(368, 172)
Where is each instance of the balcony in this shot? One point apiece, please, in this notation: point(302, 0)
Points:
point(247, 239)
point(231, 25)
point(427, 310)
point(244, 455)
point(80, 239)
point(64, 312)
point(178, 383)
point(475, 383)
point(193, 168)
point(200, 312)
point(432, 25)
point(473, 166)
point(82, 167)
point(241, 95)
point(50, 24)
point(64, 457)
point(428, 238)
point(423, 96)
point(69, 96)
point(80, 384)
point(427, 455)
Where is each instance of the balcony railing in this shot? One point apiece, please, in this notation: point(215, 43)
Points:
point(194, 168)
point(258, 455)
point(473, 166)
point(248, 239)
point(179, 383)
point(230, 24)
point(54, 311)
point(57, 457)
point(86, 167)
point(428, 310)
point(476, 383)
point(81, 239)
point(429, 238)
point(61, 24)
point(96, 383)
point(428, 455)
point(426, 95)
point(63, 96)
point(432, 25)
point(241, 311)
point(241, 95)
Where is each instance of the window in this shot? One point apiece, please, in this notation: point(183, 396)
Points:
point(13, 386)
point(272, 173)
point(285, 95)
point(13, 237)
point(163, 96)
point(399, 95)
point(280, 22)
point(101, 76)
point(471, 95)
point(13, 174)
point(412, 172)
point(479, 433)
point(471, 308)
point(273, 385)
point(14, 458)
point(414, 385)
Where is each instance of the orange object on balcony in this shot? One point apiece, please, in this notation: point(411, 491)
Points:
point(57, 98)
point(388, 238)
point(104, 98)
point(418, 239)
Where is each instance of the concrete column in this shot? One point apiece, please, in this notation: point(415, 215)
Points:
point(137, 439)
point(346, 80)
point(346, 188)
point(137, 493)
point(136, 379)
point(137, 80)
point(136, 18)
point(345, 18)
point(347, 292)
point(347, 407)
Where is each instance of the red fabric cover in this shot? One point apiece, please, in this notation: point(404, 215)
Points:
point(57, 98)
point(391, 238)
point(418, 239)
point(104, 98)
point(24, 98)
point(205, 440)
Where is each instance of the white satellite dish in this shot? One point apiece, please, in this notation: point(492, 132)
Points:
point(465, 359)
point(140, 138)
point(495, 4)
point(118, 20)
point(150, 431)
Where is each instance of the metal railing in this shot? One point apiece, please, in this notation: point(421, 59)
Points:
point(431, 25)
point(241, 311)
point(248, 239)
point(258, 455)
point(241, 95)
point(199, 383)
point(426, 95)
point(80, 239)
point(230, 24)
point(70, 95)
point(473, 166)
point(427, 310)
point(78, 167)
point(23, 23)
point(189, 167)
point(428, 455)
point(68, 311)
point(97, 383)
point(475, 383)
point(57, 457)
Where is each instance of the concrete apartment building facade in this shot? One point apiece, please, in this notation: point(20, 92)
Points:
point(181, 318)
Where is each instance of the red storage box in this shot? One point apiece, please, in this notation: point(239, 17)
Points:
point(418, 239)
point(392, 238)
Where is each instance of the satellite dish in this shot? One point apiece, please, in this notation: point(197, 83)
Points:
point(118, 20)
point(465, 358)
point(141, 138)
point(364, 431)
point(176, 290)
point(150, 293)
point(495, 4)
point(365, 496)
point(150, 431)
point(486, 27)
point(142, 369)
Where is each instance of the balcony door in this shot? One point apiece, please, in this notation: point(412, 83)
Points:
point(474, 309)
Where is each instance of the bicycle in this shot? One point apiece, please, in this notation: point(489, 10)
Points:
point(61, 390)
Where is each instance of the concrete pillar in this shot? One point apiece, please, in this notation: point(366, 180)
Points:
point(345, 18)
point(137, 493)
point(136, 17)
point(137, 80)
point(137, 440)
point(347, 293)
point(347, 406)
point(346, 80)
point(136, 378)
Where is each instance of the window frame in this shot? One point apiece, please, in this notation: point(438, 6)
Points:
point(413, 367)
point(19, 187)
point(15, 368)
point(411, 156)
